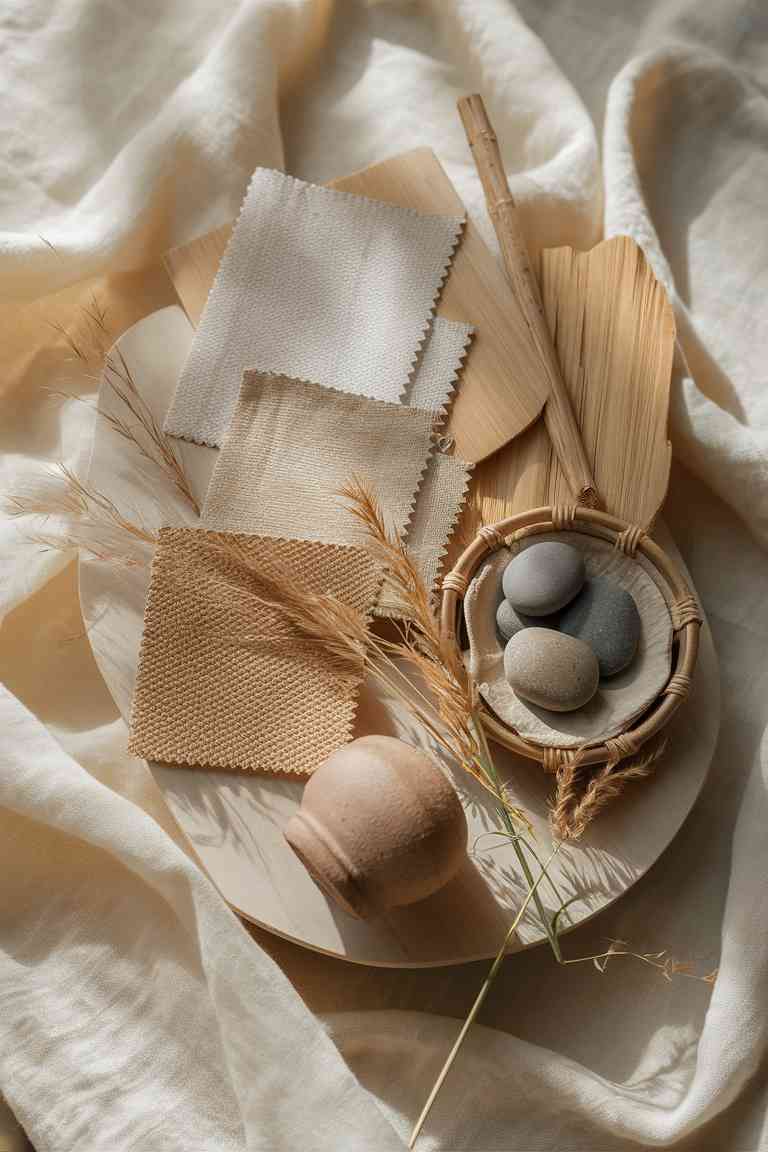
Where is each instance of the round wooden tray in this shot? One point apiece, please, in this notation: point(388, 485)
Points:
point(233, 821)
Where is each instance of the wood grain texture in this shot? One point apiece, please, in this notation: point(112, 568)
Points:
point(504, 384)
point(615, 337)
point(614, 332)
point(558, 413)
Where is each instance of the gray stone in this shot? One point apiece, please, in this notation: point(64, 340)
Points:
point(550, 669)
point(509, 622)
point(605, 616)
point(543, 578)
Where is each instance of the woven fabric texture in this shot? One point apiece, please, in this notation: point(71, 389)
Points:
point(438, 507)
point(439, 365)
point(443, 489)
point(293, 445)
point(224, 681)
point(316, 284)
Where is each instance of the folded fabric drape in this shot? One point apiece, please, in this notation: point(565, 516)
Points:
point(136, 1010)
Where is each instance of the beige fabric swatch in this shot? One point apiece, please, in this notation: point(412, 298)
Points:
point(438, 367)
point(438, 506)
point(443, 489)
point(292, 445)
point(316, 284)
point(224, 681)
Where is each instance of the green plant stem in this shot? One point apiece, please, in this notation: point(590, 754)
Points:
point(561, 901)
point(493, 776)
point(492, 973)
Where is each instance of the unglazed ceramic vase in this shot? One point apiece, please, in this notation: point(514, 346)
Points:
point(379, 826)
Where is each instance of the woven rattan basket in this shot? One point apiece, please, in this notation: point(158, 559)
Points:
point(631, 540)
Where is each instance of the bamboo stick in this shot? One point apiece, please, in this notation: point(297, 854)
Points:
point(558, 412)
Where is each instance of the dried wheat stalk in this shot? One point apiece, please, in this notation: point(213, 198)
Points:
point(582, 793)
point(83, 518)
point(138, 425)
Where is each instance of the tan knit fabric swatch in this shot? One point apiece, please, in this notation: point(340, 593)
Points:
point(438, 506)
point(224, 680)
point(316, 284)
point(292, 445)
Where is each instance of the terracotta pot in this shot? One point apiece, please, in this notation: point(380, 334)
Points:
point(379, 826)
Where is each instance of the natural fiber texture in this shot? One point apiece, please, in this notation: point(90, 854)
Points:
point(438, 506)
point(224, 681)
point(559, 417)
point(293, 445)
point(443, 490)
point(583, 791)
point(614, 333)
point(601, 529)
point(316, 284)
point(438, 367)
point(619, 699)
point(335, 436)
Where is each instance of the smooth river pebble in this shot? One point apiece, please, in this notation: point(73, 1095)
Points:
point(543, 578)
point(550, 669)
point(605, 616)
point(510, 622)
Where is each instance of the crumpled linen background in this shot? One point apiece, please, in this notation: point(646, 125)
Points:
point(134, 1011)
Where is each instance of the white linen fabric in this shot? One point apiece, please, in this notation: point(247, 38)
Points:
point(135, 1012)
point(119, 878)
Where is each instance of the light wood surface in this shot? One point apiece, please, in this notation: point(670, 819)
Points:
point(558, 413)
point(615, 337)
point(504, 384)
point(234, 821)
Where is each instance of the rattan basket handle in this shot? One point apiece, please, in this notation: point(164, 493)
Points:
point(558, 412)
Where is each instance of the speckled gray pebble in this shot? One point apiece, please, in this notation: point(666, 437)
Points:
point(509, 622)
point(605, 616)
point(543, 578)
point(550, 669)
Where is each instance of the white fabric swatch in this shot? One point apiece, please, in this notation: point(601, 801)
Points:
point(318, 285)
